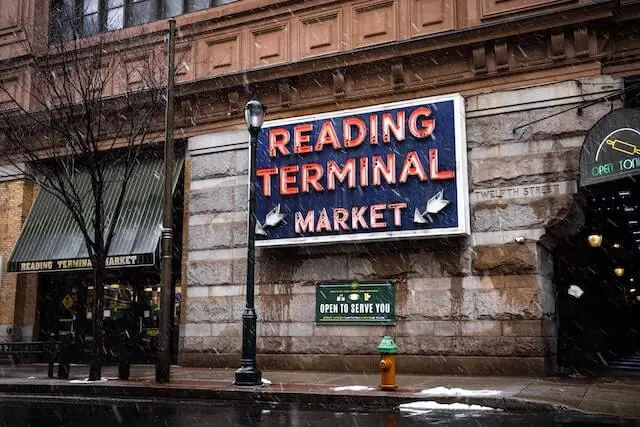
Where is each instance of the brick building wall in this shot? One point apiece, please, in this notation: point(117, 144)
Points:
point(18, 294)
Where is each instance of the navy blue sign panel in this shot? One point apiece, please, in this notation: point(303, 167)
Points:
point(384, 172)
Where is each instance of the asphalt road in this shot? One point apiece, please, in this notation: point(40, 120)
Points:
point(38, 411)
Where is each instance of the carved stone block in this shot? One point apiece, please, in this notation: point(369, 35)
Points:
point(581, 41)
point(431, 16)
point(501, 51)
point(479, 57)
point(321, 34)
point(218, 55)
point(234, 101)
point(284, 89)
point(557, 45)
point(397, 75)
point(374, 22)
point(338, 83)
point(269, 45)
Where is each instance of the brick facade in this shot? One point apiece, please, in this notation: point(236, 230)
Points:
point(18, 294)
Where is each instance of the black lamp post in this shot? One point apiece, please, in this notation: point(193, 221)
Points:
point(248, 374)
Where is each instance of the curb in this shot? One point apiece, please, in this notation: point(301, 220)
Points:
point(272, 394)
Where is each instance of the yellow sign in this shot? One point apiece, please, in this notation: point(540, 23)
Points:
point(153, 332)
point(623, 146)
point(67, 301)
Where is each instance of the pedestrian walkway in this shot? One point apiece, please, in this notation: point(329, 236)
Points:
point(605, 395)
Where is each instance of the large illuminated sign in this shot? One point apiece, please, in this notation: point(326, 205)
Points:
point(384, 172)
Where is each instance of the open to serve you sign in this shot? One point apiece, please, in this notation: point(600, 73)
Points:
point(383, 172)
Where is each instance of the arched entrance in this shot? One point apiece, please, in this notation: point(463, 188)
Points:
point(598, 270)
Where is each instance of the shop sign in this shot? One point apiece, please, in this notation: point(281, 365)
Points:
point(82, 263)
point(369, 303)
point(389, 171)
point(611, 149)
point(153, 332)
point(67, 301)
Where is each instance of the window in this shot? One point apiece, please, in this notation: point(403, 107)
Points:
point(63, 13)
point(114, 14)
point(86, 17)
point(141, 12)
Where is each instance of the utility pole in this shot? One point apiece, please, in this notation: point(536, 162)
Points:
point(163, 358)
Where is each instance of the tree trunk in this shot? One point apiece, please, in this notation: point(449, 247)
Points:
point(97, 351)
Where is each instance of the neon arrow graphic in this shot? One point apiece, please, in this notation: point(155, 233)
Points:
point(273, 218)
point(434, 206)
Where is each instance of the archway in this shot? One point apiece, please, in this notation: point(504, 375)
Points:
point(597, 271)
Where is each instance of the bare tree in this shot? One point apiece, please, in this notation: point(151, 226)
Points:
point(90, 107)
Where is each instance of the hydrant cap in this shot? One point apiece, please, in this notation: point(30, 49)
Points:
point(387, 345)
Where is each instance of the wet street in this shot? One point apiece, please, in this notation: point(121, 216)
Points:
point(76, 412)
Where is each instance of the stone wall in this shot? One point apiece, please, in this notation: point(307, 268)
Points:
point(478, 305)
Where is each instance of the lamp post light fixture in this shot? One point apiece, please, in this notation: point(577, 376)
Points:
point(595, 240)
point(248, 374)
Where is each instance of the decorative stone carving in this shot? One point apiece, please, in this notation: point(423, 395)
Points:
point(581, 41)
point(501, 51)
point(558, 52)
point(479, 55)
point(338, 84)
point(234, 101)
point(397, 75)
point(284, 89)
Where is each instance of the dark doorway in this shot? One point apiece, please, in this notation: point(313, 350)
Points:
point(598, 282)
point(131, 304)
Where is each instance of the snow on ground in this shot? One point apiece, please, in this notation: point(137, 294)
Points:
point(422, 406)
point(454, 391)
point(353, 388)
point(86, 381)
point(266, 381)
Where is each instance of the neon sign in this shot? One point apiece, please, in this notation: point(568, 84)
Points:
point(388, 171)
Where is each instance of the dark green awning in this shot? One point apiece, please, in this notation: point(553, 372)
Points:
point(50, 240)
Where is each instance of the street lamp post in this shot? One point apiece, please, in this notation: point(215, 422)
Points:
point(248, 374)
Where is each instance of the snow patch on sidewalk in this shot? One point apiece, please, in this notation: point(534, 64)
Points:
point(86, 381)
point(353, 388)
point(461, 392)
point(426, 406)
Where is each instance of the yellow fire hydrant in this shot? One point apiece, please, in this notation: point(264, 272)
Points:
point(387, 349)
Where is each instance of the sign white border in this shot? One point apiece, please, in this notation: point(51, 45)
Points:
point(462, 187)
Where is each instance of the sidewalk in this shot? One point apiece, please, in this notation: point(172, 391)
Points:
point(614, 396)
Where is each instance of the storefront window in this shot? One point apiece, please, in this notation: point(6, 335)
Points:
point(131, 305)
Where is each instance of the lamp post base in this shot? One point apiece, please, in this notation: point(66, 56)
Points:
point(248, 376)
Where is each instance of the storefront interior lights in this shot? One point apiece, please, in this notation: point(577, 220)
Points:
point(148, 289)
point(619, 271)
point(617, 245)
point(595, 240)
point(115, 286)
point(90, 287)
point(632, 290)
point(159, 289)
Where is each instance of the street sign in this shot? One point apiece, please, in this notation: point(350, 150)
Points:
point(368, 303)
